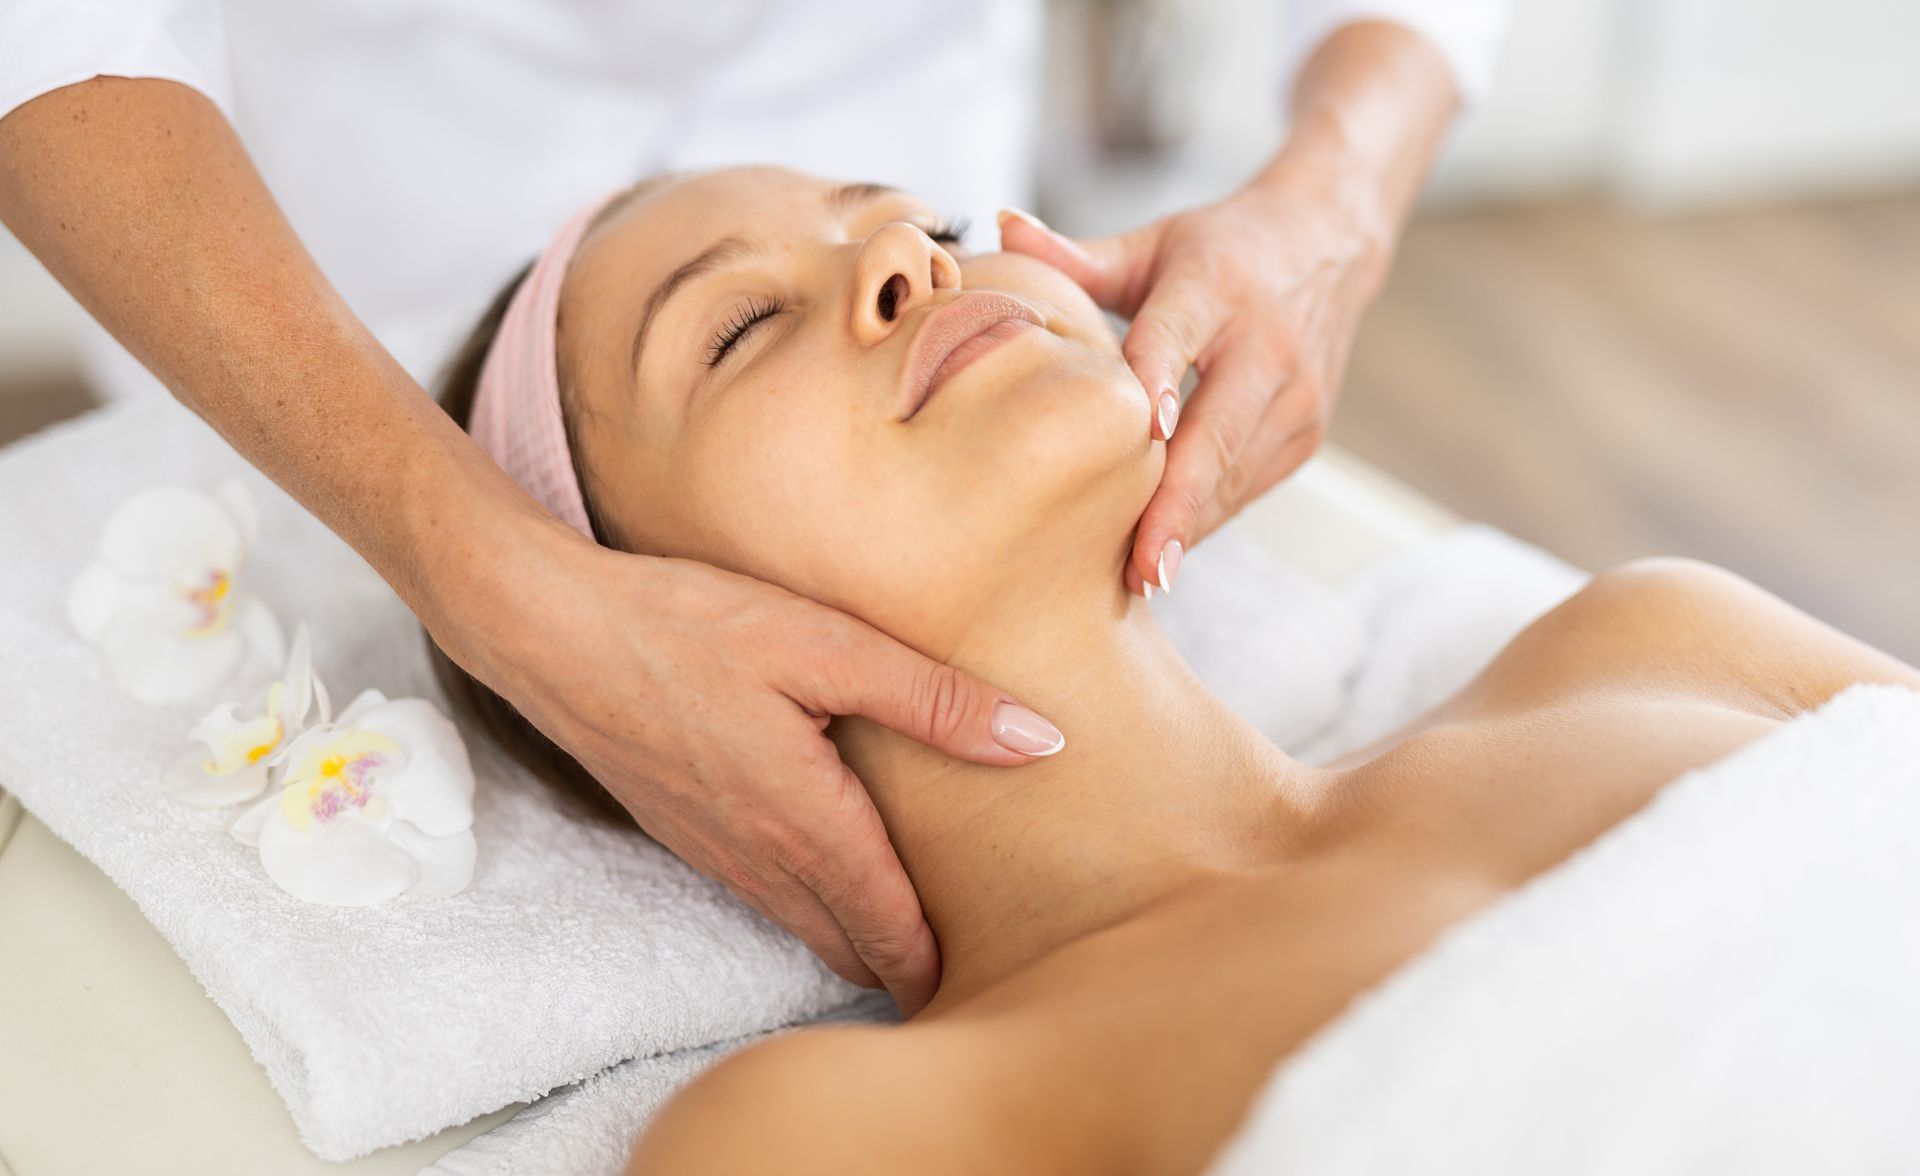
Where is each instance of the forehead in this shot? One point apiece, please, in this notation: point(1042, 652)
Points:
point(667, 223)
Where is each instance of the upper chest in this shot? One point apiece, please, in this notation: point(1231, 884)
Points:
point(1179, 1019)
point(1507, 795)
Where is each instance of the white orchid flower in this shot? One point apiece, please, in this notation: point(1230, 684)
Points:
point(232, 765)
point(374, 805)
point(161, 602)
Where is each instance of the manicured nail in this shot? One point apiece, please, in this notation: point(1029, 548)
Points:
point(1018, 729)
point(1169, 415)
point(1169, 564)
point(1146, 590)
point(1007, 214)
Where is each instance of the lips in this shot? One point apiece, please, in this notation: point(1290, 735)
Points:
point(955, 335)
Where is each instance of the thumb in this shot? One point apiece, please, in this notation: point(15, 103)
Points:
point(931, 702)
point(1112, 270)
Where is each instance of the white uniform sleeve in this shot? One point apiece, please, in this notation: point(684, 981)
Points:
point(1467, 33)
point(46, 44)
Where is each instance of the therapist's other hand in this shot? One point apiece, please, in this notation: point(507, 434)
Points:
point(1262, 293)
point(699, 698)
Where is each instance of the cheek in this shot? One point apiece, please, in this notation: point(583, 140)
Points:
point(798, 487)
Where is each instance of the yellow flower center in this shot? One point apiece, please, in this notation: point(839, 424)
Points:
point(338, 778)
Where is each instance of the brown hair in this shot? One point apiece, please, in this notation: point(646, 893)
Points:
point(472, 698)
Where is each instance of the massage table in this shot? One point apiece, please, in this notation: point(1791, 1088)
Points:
point(114, 1060)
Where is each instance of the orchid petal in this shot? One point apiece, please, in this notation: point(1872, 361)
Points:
point(362, 702)
point(297, 697)
point(343, 862)
point(95, 597)
point(246, 828)
point(153, 663)
point(173, 534)
point(338, 778)
point(188, 781)
point(369, 809)
point(446, 863)
point(326, 700)
point(237, 743)
point(434, 789)
point(303, 743)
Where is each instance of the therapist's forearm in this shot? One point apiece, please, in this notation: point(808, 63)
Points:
point(1371, 105)
point(141, 200)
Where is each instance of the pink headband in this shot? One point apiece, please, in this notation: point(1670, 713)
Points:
point(516, 409)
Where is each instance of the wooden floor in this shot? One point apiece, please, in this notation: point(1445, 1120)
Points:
point(1743, 387)
point(33, 399)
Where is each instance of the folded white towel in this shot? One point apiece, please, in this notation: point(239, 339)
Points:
point(574, 948)
point(1424, 621)
point(1724, 982)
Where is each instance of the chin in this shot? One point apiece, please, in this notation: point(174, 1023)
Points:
point(1065, 440)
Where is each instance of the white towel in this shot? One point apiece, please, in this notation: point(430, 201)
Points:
point(1424, 621)
point(1724, 982)
point(575, 947)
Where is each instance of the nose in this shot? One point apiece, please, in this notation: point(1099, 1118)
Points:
point(897, 269)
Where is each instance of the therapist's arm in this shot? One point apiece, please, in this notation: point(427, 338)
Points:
point(696, 696)
point(1262, 291)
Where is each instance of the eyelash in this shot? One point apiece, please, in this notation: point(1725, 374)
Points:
point(744, 318)
point(757, 310)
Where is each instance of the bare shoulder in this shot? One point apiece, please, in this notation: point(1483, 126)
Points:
point(1700, 625)
point(842, 1100)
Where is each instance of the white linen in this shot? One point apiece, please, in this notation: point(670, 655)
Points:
point(1724, 982)
point(1407, 632)
point(575, 947)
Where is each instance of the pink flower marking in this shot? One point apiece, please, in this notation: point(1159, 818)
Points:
point(349, 789)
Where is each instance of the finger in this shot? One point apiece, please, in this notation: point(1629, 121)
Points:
point(1114, 271)
point(1221, 416)
point(865, 672)
point(791, 905)
point(851, 865)
point(1178, 322)
point(786, 903)
point(1264, 470)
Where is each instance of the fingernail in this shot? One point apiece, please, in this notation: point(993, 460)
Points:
point(1007, 214)
point(1018, 729)
point(1169, 564)
point(1169, 415)
point(1146, 590)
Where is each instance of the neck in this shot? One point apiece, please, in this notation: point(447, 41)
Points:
point(1160, 787)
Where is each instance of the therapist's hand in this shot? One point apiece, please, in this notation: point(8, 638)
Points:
point(699, 699)
point(1262, 293)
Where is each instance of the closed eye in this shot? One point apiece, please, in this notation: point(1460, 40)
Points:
point(750, 314)
point(949, 232)
point(744, 319)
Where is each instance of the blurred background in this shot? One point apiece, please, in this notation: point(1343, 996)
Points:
point(1662, 296)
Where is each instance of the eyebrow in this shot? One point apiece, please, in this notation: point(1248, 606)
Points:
point(848, 196)
point(713, 257)
point(727, 250)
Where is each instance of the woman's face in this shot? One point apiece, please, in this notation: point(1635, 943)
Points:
point(740, 349)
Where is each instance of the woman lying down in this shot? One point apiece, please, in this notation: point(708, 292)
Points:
point(1135, 931)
